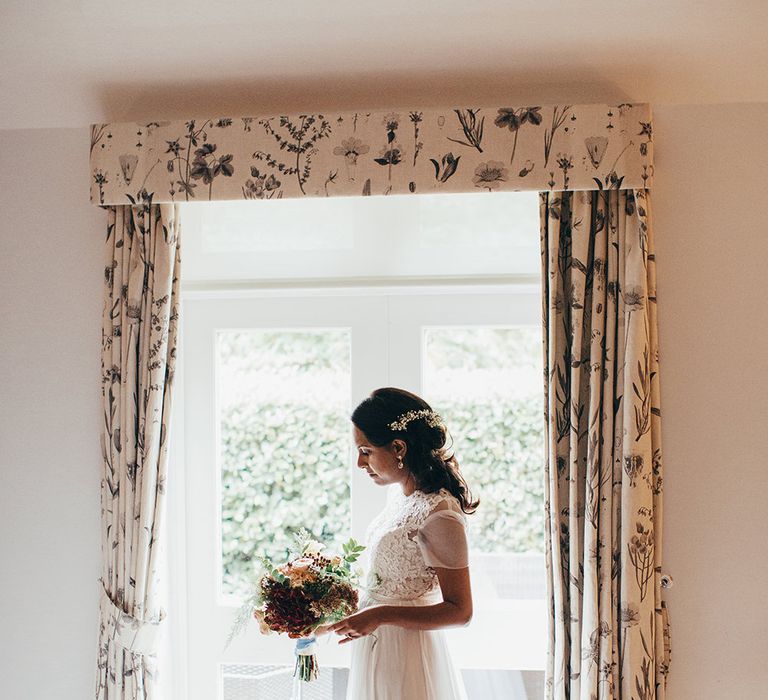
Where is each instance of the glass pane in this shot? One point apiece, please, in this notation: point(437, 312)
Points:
point(340, 237)
point(468, 221)
point(283, 405)
point(274, 226)
point(486, 382)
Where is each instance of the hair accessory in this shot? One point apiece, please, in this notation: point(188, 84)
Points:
point(432, 418)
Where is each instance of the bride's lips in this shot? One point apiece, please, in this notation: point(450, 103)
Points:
point(371, 473)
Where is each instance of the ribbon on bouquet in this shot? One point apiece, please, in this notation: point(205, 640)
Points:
point(306, 659)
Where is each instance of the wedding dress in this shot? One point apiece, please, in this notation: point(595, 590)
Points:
point(405, 541)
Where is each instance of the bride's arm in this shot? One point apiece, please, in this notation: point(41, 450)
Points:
point(443, 544)
point(455, 610)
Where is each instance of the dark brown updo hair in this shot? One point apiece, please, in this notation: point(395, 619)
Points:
point(429, 460)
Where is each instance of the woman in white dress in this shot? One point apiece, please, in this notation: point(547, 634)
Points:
point(418, 581)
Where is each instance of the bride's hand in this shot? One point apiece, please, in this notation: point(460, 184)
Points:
point(360, 624)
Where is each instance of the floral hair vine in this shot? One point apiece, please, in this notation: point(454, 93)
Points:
point(432, 418)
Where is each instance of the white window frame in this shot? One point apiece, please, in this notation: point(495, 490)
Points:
point(509, 303)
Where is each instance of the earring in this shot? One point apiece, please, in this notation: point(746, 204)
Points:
point(399, 462)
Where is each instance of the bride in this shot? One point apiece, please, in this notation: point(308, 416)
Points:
point(418, 582)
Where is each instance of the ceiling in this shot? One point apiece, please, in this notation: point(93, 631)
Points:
point(66, 63)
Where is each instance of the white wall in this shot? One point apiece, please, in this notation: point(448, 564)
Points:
point(711, 246)
point(51, 273)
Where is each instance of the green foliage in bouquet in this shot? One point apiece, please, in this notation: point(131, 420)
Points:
point(307, 591)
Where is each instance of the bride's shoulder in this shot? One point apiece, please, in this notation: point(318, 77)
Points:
point(443, 500)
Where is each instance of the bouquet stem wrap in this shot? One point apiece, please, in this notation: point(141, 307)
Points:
point(306, 659)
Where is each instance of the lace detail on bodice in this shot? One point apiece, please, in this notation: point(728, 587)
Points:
point(397, 568)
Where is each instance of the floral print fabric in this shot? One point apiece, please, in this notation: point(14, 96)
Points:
point(563, 147)
point(609, 635)
point(139, 333)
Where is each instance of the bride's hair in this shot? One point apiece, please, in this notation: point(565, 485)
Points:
point(429, 460)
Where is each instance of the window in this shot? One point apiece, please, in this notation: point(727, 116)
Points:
point(418, 292)
point(281, 414)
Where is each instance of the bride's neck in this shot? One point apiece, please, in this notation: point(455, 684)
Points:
point(408, 487)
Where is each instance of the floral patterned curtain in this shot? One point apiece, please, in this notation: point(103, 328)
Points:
point(609, 636)
point(139, 332)
point(594, 165)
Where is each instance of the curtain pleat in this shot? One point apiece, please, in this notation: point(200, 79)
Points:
point(608, 629)
point(139, 333)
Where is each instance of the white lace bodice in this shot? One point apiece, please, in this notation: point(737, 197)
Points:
point(397, 568)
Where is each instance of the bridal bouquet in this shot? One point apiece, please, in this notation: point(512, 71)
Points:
point(299, 596)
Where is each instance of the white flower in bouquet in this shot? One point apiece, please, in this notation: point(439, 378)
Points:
point(313, 547)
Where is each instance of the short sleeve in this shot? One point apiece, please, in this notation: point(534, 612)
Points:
point(442, 539)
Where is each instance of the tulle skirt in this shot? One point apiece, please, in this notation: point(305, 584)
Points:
point(403, 664)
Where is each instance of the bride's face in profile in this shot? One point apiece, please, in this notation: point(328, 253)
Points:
point(380, 462)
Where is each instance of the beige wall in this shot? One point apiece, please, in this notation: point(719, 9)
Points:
point(711, 245)
point(711, 232)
